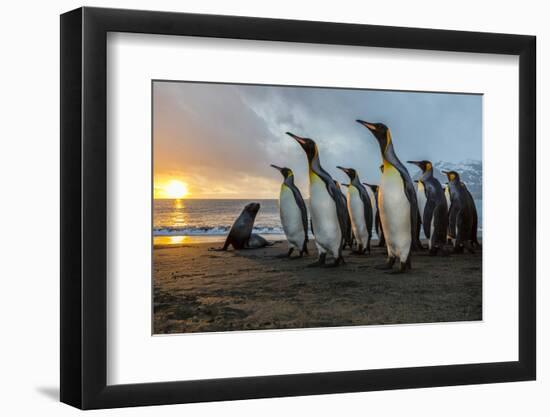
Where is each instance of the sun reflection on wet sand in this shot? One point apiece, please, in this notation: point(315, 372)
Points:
point(159, 241)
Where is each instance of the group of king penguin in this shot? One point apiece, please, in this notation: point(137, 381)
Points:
point(395, 207)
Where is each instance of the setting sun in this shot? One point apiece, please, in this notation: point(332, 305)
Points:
point(175, 189)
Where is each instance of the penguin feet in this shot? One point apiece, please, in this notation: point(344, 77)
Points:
point(418, 247)
point(337, 262)
point(387, 266)
point(286, 255)
point(403, 267)
point(319, 262)
point(360, 250)
point(439, 250)
point(433, 251)
point(458, 249)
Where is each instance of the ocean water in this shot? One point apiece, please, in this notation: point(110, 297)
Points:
point(196, 217)
point(211, 219)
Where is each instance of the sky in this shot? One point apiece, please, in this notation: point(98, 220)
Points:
point(219, 139)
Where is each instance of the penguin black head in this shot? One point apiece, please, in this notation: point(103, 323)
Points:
point(423, 165)
point(380, 131)
point(381, 168)
point(285, 172)
point(308, 145)
point(452, 176)
point(252, 208)
point(352, 174)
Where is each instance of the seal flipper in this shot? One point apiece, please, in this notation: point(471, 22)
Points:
point(224, 247)
point(256, 241)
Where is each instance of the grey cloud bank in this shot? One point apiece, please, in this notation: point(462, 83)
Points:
point(223, 134)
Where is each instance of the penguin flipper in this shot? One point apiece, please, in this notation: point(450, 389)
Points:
point(453, 214)
point(341, 209)
point(428, 214)
point(303, 209)
point(367, 207)
point(475, 219)
point(410, 192)
point(474, 228)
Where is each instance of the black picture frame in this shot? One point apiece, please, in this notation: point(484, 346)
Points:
point(84, 207)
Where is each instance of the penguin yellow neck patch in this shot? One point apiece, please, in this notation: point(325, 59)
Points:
point(313, 177)
point(389, 169)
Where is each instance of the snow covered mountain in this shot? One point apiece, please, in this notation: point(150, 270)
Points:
point(470, 171)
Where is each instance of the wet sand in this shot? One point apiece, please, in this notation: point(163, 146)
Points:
point(197, 290)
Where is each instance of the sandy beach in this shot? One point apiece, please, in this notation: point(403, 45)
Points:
point(197, 290)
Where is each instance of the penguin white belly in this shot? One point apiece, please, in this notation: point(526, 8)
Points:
point(395, 213)
point(357, 214)
point(421, 197)
point(291, 218)
point(324, 217)
point(372, 202)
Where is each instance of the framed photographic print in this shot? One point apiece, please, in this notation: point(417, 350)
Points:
point(257, 208)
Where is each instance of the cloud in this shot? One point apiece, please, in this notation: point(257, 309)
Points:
point(221, 138)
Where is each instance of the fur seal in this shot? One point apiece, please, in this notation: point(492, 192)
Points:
point(240, 236)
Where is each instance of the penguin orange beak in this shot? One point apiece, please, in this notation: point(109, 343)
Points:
point(346, 170)
point(276, 167)
point(368, 125)
point(300, 140)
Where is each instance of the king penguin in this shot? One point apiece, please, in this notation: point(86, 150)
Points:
point(293, 212)
point(326, 206)
point(396, 200)
point(360, 211)
point(433, 209)
point(461, 213)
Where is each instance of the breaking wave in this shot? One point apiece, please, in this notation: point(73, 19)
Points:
point(211, 231)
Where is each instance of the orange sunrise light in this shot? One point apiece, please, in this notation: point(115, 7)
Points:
point(175, 189)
